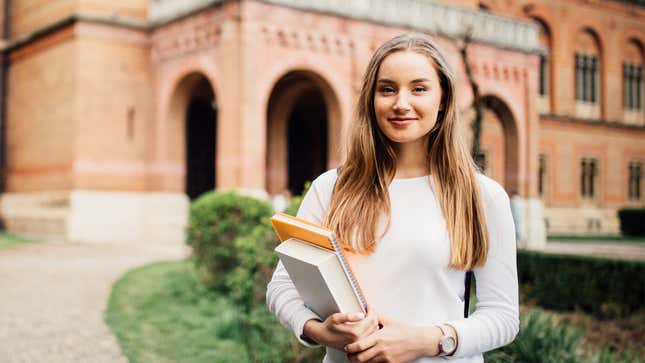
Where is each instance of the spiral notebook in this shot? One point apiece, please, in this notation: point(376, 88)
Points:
point(318, 267)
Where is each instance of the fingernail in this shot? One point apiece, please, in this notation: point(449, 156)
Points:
point(359, 316)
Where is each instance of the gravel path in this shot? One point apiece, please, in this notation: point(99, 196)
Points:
point(53, 295)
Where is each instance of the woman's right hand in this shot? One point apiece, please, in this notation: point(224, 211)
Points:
point(341, 329)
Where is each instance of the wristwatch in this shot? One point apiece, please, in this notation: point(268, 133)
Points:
point(447, 343)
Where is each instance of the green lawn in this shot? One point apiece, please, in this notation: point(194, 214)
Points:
point(7, 240)
point(160, 313)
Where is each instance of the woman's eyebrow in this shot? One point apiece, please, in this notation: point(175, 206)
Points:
point(419, 80)
point(385, 80)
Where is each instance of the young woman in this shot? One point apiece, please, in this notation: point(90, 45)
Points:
point(410, 204)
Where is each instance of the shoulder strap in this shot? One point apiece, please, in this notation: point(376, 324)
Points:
point(467, 283)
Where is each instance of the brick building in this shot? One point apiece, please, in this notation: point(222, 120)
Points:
point(118, 113)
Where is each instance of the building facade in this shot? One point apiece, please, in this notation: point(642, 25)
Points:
point(119, 113)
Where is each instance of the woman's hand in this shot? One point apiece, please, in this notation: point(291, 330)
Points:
point(341, 329)
point(395, 342)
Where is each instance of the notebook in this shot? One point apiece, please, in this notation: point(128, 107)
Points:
point(317, 266)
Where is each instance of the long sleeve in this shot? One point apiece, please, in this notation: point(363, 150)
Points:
point(282, 297)
point(495, 321)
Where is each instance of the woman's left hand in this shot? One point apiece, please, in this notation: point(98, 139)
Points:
point(395, 342)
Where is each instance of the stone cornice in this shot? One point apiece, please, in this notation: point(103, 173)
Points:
point(591, 122)
point(431, 17)
point(9, 45)
point(422, 15)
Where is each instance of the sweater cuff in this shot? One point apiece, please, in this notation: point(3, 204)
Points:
point(299, 324)
point(465, 339)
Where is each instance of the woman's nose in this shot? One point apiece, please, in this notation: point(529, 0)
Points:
point(401, 104)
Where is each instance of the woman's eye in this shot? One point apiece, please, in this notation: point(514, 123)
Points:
point(419, 89)
point(386, 90)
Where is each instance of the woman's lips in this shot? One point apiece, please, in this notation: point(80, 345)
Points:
point(401, 121)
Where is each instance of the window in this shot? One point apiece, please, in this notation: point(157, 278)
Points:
point(634, 181)
point(541, 175)
point(587, 81)
point(544, 73)
point(632, 86)
point(589, 170)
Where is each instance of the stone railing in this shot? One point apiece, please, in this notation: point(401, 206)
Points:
point(424, 15)
point(161, 11)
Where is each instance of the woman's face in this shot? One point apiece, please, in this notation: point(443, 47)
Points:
point(407, 97)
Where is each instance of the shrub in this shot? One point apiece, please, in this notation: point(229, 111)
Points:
point(632, 221)
point(543, 339)
point(601, 286)
point(296, 200)
point(216, 220)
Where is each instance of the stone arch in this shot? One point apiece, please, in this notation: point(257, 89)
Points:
point(500, 136)
point(588, 40)
point(303, 125)
point(191, 132)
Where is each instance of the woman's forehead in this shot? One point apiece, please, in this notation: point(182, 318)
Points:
point(407, 65)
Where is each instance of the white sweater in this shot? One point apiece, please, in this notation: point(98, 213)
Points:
point(408, 279)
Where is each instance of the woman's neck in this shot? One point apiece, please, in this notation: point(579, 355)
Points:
point(411, 159)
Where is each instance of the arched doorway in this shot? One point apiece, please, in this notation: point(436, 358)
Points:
point(299, 114)
point(193, 106)
point(499, 143)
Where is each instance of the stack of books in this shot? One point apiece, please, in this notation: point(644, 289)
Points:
point(317, 266)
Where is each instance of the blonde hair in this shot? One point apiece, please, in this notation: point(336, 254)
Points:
point(361, 196)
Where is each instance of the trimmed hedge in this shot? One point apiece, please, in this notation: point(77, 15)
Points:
point(216, 221)
point(603, 287)
point(632, 221)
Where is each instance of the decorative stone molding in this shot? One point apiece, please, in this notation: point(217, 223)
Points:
point(311, 41)
point(431, 17)
point(423, 15)
point(181, 38)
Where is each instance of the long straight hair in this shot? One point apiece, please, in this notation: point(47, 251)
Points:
point(361, 202)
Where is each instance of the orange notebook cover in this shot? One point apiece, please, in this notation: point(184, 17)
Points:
point(287, 226)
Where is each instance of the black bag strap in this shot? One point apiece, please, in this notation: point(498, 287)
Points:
point(467, 282)
point(469, 274)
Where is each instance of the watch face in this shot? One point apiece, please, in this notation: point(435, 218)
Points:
point(448, 344)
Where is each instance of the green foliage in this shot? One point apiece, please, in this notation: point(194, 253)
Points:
point(603, 287)
point(216, 220)
point(540, 340)
point(233, 242)
point(8, 240)
point(160, 313)
point(632, 221)
point(296, 200)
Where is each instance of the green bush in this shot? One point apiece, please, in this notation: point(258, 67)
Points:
point(542, 339)
point(216, 220)
point(296, 200)
point(632, 221)
point(601, 286)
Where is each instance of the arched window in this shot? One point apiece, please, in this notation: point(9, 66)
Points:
point(544, 39)
point(588, 59)
point(633, 82)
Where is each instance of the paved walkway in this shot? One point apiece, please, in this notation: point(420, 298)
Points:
point(622, 250)
point(53, 295)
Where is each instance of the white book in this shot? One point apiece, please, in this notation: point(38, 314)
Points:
point(317, 266)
